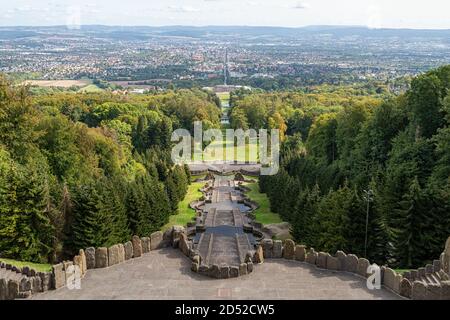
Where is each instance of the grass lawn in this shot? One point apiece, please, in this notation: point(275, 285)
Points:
point(185, 213)
point(92, 88)
point(217, 151)
point(224, 96)
point(263, 214)
point(401, 271)
point(42, 267)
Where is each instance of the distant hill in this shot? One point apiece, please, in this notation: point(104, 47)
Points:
point(143, 32)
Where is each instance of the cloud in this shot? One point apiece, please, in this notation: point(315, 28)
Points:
point(301, 5)
point(182, 9)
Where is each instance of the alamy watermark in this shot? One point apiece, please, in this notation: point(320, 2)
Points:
point(73, 277)
point(374, 279)
point(239, 147)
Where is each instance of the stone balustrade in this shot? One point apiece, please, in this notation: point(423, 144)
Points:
point(28, 281)
point(20, 283)
point(428, 283)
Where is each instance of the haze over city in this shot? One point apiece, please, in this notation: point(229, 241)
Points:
point(289, 13)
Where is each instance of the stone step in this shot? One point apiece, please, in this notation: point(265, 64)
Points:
point(210, 217)
point(434, 278)
point(203, 245)
point(238, 218)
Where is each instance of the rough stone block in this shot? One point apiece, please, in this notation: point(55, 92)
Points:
point(3, 289)
point(267, 246)
point(392, 280)
point(13, 289)
point(156, 240)
point(363, 264)
point(137, 247)
point(249, 267)
point(242, 269)
point(204, 269)
point(277, 251)
point(436, 265)
point(113, 255)
point(90, 258)
point(300, 253)
point(259, 255)
point(195, 266)
point(167, 235)
point(341, 256)
point(184, 245)
point(429, 269)
point(128, 248)
point(445, 263)
point(406, 288)
point(83, 261)
point(101, 257)
point(248, 257)
point(214, 271)
point(26, 270)
point(46, 280)
point(322, 260)
point(419, 290)
point(146, 245)
point(176, 232)
point(311, 257)
point(26, 284)
point(234, 272)
point(445, 293)
point(351, 263)
point(197, 259)
point(289, 249)
point(224, 272)
point(36, 284)
point(77, 262)
point(333, 263)
point(121, 252)
point(59, 276)
point(422, 272)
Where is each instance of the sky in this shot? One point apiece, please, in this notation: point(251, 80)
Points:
point(430, 14)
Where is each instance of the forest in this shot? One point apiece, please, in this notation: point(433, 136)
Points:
point(80, 170)
point(92, 169)
point(380, 156)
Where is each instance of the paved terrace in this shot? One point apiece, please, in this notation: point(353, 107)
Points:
point(166, 274)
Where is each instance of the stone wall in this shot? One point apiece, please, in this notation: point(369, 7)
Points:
point(23, 282)
point(428, 283)
point(16, 283)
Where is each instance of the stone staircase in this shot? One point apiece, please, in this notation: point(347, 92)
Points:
point(432, 274)
point(224, 218)
point(224, 251)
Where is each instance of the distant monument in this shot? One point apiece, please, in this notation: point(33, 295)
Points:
point(225, 88)
point(225, 68)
